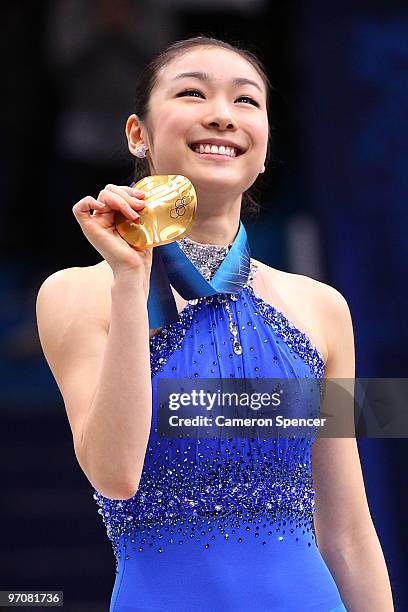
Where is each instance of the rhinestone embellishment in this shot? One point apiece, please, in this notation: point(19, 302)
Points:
point(207, 258)
point(228, 483)
point(239, 489)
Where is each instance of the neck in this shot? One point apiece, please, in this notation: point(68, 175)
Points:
point(217, 225)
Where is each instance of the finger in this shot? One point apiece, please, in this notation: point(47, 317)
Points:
point(86, 207)
point(132, 197)
point(132, 191)
point(117, 202)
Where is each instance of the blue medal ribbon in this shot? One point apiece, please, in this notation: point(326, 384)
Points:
point(171, 266)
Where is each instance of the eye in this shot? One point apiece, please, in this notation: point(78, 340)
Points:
point(189, 91)
point(195, 91)
point(252, 101)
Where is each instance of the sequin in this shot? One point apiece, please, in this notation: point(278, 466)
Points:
point(171, 337)
point(213, 488)
point(293, 337)
point(191, 490)
point(206, 257)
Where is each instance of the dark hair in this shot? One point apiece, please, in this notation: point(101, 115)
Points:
point(148, 78)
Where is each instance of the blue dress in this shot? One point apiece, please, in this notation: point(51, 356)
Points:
point(222, 524)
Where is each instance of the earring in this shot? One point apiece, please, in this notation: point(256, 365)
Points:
point(141, 151)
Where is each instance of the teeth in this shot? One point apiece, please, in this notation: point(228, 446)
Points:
point(221, 150)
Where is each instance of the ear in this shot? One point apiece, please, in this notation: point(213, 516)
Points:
point(263, 169)
point(134, 133)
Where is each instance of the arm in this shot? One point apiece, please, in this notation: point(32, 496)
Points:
point(345, 533)
point(104, 376)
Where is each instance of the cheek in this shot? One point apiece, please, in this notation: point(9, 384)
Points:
point(167, 127)
point(261, 128)
point(262, 145)
point(171, 137)
point(177, 120)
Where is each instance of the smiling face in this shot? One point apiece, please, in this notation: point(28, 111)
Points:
point(206, 97)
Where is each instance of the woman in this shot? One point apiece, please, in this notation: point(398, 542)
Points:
point(199, 524)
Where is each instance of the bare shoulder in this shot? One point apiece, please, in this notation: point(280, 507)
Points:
point(78, 288)
point(301, 282)
point(314, 306)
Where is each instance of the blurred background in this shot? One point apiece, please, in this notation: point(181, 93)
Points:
point(334, 207)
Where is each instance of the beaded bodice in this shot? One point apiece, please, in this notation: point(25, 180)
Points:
point(242, 487)
point(207, 258)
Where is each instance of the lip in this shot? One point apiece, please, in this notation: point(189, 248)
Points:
point(216, 156)
point(219, 142)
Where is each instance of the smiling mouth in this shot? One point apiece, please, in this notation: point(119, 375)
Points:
point(214, 152)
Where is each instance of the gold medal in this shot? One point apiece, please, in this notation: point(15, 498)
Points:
point(171, 203)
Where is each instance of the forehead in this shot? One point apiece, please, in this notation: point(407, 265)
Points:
point(220, 64)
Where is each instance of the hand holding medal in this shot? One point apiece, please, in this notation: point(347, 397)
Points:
point(170, 206)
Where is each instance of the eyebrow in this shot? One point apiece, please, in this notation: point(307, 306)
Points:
point(204, 76)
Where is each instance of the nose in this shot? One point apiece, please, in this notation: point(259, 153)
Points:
point(220, 117)
point(223, 123)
